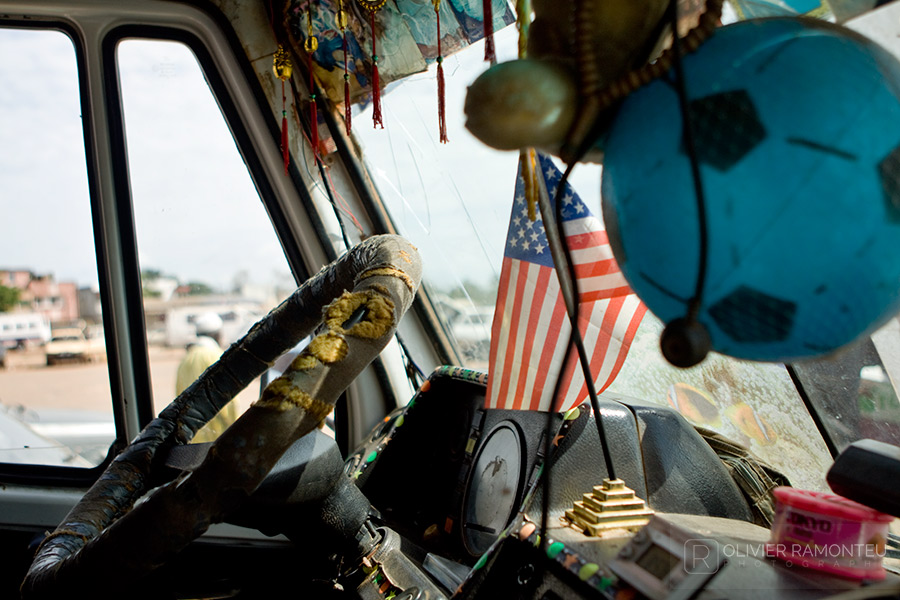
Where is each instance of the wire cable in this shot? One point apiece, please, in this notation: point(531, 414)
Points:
point(691, 148)
point(568, 283)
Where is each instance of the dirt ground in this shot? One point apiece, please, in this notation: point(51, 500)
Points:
point(27, 382)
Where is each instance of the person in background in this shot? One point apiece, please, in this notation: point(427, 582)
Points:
point(201, 353)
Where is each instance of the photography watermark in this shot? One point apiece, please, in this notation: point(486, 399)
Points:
point(702, 557)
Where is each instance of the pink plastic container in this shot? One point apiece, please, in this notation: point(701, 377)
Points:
point(827, 532)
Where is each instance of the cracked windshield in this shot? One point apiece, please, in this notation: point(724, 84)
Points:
point(453, 201)
point(193, 198)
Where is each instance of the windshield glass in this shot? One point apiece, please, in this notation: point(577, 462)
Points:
point(454, 200)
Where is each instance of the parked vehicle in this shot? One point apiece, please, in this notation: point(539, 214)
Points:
point(20, 328)
point(70, 344)
point(171, 136)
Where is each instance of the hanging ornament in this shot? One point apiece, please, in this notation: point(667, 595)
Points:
point(523, 20)
point(311, 45)
point(283, 68)
point(372, 6)
point(489, 54)
point(527, 156)
point(342, 24)
point(442, 108)
point(802, 198)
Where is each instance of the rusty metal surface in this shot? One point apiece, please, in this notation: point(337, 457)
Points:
point(107, 539)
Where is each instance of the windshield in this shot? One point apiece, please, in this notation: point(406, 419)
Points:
point(453, 201)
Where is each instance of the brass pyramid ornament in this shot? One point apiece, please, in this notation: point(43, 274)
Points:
point(611, 505)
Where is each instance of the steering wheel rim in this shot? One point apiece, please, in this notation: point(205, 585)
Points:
point(384, 273)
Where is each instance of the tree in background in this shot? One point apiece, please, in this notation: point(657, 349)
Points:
point(9, 297)
point(198, 288)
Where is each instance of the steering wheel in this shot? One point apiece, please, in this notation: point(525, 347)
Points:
point(109, 538)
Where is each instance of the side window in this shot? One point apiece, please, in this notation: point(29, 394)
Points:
point(55, 404)
point(211, 264)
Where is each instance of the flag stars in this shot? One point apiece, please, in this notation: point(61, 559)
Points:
point(517, 350)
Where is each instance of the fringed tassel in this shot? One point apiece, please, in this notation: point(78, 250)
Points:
point(311, 45)
point(376, 85)
point(442, 109)
point(347, 106)
point(313, 113)
point(285, 147)
point(442, 103)
point(282, 67)
point(489, 53)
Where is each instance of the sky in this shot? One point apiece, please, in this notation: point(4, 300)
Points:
point(43, 184)
point(197, 213)
point(452, 200)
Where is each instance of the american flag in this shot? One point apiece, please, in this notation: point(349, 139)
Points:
point(530, 331)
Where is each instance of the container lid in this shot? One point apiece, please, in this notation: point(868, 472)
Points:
point(828, 504)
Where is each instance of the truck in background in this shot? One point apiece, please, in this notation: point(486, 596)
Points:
point(21, 329)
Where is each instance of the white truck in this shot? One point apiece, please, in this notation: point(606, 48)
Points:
point(18, 329)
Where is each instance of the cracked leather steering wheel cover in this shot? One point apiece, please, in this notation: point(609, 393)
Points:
point(104, 528)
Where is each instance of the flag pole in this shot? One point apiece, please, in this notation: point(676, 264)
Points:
point(568, 288)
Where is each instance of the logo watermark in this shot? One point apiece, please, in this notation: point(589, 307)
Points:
point(704, 558)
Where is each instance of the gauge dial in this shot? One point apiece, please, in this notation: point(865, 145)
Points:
point(492, 492)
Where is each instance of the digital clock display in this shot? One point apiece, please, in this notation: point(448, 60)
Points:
point(658, 561)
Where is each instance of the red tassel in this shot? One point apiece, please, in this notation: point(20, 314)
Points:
point(285, 148)
point(313, 115)
point(347, 111)
point(285, 152)
point(442, 110)
point(376, 86)
point(489, 54)
point(442, 104)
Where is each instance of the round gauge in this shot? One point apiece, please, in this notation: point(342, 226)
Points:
point(492, 492)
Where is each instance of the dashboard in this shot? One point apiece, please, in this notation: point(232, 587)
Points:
point(460, 485)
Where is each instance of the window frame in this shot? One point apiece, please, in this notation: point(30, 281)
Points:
point(115, 240)
point(302, 213)
point(121, 178)
point(75, 476)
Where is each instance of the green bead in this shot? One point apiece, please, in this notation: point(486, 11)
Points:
point(605, 582)
point(555, 548)
point(372, 456)
point(399, 422)
point(587, 571)
point(572, 414)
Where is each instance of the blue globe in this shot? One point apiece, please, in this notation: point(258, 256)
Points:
point(797, 128)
